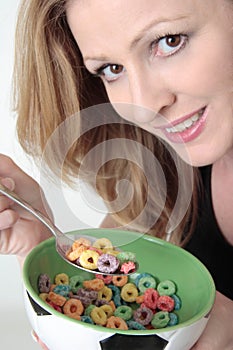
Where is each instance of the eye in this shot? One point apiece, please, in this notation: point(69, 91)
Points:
point(169, 44)
point(110, 72)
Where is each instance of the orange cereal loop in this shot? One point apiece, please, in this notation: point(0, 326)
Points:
point(52, 287)
point(117, 323)
point(105, 294)
point(98, 316)
point(73, 308)
point(81, 242)
point(112, 304)
point(95, 284)
point(107, 309)
point(140, 299)
point(62, 278)
point(57, 299)
point(75, 254)
point(120, 281)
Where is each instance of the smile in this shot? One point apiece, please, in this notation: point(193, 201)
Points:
point(188, 123)
point(187, 128)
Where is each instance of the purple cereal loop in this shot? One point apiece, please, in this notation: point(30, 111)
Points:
point(143, 315)
point(107, 263)
point(44, 283)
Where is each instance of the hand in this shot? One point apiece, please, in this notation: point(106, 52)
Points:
point(19, 230)
point(218, 332)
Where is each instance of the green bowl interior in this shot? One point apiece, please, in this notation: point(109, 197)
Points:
point(165, 261)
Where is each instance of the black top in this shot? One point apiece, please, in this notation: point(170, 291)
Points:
point(208, 244)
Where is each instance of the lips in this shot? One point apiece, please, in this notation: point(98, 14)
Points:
point(186, 128)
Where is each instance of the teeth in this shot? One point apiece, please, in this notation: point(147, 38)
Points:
point(186, 124)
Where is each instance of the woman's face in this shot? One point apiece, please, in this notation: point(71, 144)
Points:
point(172, 57)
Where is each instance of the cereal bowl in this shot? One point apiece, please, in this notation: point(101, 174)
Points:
point(165, 261)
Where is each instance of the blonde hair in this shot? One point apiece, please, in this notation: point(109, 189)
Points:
point(52, 84)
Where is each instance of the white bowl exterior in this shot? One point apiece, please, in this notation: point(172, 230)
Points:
point(59, 334)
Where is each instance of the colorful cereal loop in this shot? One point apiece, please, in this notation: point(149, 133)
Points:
point(166, 288)
point(160, 319)
point(146, 282)
point(116, 323)
point(102, 243)
point(165, 303)
point(107, 279)
point(56, 298)
point(88, 259)
point(105, 293)
point(119, 281)
point(99, 316)
point(129, 292)
point(76, 282)
point(73, 308)
point(107, 309)
point(95, 284)
point(62, 278)
point(151, 297)
point(173, 319)
point(125, 312)
point(143, 315)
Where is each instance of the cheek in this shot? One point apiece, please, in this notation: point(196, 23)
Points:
point(207, 69)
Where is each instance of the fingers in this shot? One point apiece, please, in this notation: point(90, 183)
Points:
point(37, 340)
point(8, 217)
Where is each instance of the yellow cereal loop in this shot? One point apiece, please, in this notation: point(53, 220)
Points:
point(44, 296)
point(129, 292)
point(99, 316)
point(103, 243)
point(62, 278)
point(88, 259)
point(105, 294)
point(107, 309)
point(110, 251)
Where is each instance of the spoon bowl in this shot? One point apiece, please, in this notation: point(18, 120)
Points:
point(63, 242)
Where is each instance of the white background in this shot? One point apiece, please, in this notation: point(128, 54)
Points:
point(14, 325)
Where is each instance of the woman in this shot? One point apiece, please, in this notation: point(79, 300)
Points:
point(171, 61)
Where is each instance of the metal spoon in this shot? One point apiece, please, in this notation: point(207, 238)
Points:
point(63, 242)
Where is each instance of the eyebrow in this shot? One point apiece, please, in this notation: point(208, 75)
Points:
point(139, 35)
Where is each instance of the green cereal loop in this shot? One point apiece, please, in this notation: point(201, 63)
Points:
point(76, 282)
point(160, 319)
point(89, 309)
point(145, 283)
point(166, 288)
point(125, 312)
point(126, 256)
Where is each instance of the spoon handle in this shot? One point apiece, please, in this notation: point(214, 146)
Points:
point(12, 195)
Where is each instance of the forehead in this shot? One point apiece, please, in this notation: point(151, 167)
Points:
point(105, 22)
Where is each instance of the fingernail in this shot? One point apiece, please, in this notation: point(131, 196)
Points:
point(8, 182)
point(34, 336)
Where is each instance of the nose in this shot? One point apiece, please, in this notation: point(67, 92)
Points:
point(149, 94)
